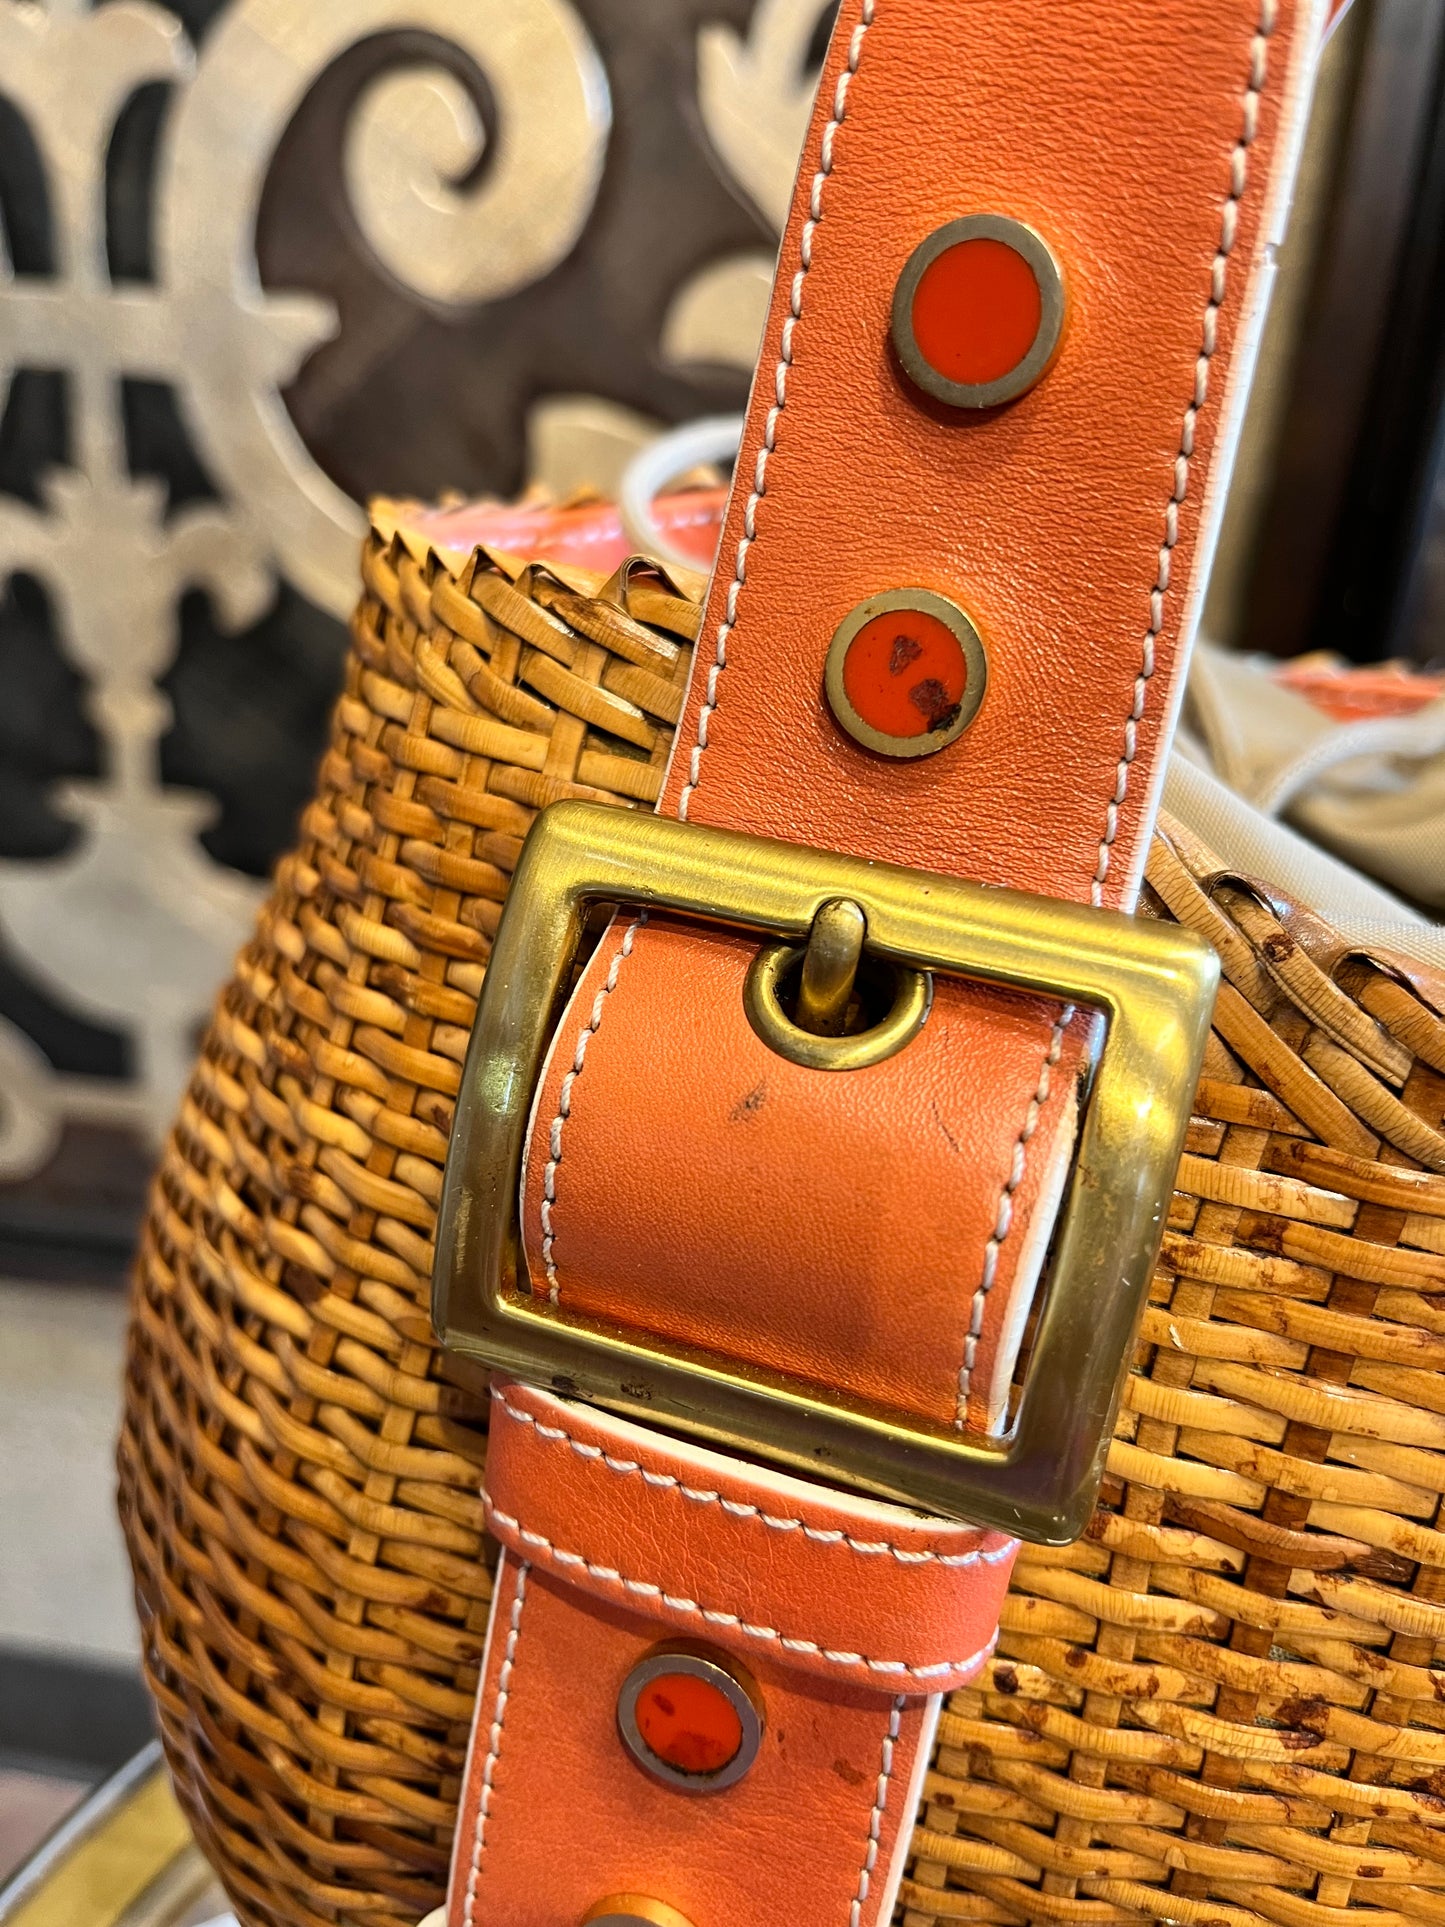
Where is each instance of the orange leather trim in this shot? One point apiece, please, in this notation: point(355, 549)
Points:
point(878, 1231)
point(616, 1539)
point(835, 1227)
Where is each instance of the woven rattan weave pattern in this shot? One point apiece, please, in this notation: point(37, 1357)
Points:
point(1220, 1707)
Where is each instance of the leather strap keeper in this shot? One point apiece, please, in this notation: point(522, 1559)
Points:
point(876, 1235)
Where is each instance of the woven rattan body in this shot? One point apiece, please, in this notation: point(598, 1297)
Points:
point(1220, 1706)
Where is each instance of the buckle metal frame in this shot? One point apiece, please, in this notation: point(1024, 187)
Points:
point(1153, 983)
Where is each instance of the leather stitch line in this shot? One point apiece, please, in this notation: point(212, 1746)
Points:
point(875, 1818)
point(713, 1616)
point(775, 413)
point(735, 1508)
point(564, 1109)
point(1003, 1221)
point(494, 1749)
point(1219, 287)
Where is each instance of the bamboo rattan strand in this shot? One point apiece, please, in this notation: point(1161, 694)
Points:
point(1226, 1705)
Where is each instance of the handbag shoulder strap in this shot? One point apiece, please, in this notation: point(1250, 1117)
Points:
point(989, 439)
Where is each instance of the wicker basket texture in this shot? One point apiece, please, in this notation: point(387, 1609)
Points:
point(1225, 1705)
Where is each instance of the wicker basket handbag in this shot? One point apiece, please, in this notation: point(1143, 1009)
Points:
point(1221, 1706)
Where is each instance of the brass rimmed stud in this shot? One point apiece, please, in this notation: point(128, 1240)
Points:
point(691, 1718)
point(978, 311)
point(906, 673)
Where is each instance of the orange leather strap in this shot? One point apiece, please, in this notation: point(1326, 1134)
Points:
point(880, 1232)
point(851, 1618)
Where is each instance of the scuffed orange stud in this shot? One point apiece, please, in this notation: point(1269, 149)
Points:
point(906, 673)
point(690, 1718)
point(689, 1723)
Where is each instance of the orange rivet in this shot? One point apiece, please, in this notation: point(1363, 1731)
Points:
point(906, 673)
point(978, 311)
point(689, 1723)
point(691, 1718)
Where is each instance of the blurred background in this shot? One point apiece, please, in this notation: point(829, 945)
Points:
point(259, 258)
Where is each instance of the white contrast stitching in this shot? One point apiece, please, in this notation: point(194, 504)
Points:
point(1003, 1221)
point(875, 1818)
point(775, 413)
point(664, 1481)
point(564, 1108)
point(1218, 288)
point(499, 1714)
point(644, 1589)
point(1238, 180)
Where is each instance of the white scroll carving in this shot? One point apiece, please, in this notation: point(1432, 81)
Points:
point(135, 926)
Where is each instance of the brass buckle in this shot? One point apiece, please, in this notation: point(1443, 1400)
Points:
point(1153, 983)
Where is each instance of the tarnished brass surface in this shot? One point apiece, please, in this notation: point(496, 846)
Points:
point(1153, 984)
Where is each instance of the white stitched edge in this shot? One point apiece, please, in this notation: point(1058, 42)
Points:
point(737, 1509)
point(1003, 1221)
point(875, 1818)
point(499, 1714)
point(780, 388)
point(1219, 279)
point(564, 1107)
point(712, 1616)
point(1238, 181)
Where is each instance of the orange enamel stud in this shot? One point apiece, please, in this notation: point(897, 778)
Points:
point(691, 1719)
point(978, 311)
point(906, 673)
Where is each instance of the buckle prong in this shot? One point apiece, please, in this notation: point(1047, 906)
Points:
point(830, 968)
